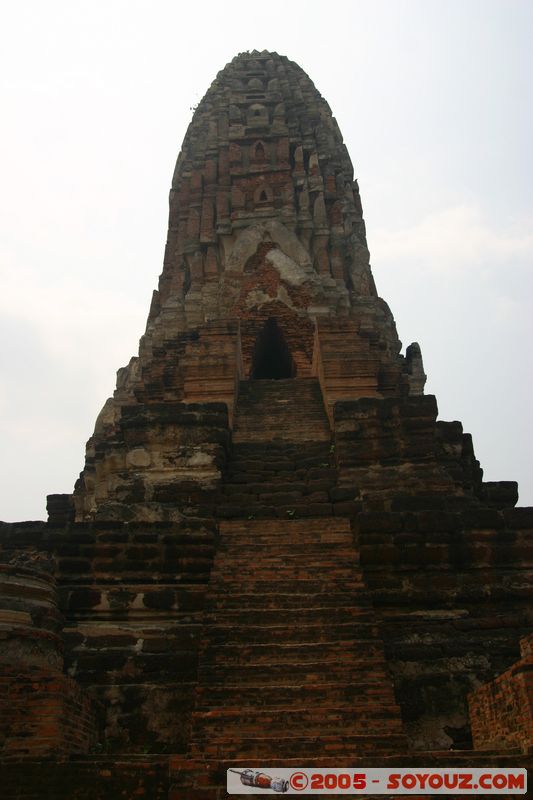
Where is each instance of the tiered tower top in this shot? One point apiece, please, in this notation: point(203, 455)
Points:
point(266, 275)
point(263, 173)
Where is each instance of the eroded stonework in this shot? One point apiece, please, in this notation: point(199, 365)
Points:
point(265, 223)
point(275, 553)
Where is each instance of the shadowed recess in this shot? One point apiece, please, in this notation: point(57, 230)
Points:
point(272, 359)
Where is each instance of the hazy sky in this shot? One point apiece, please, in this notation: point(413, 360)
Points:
point(434, 101)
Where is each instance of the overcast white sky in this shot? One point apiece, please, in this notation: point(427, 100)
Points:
point(434, 100)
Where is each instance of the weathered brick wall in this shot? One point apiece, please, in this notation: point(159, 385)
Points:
point(265, 221)
point(132, 596)
point(451, 589)
point(501, 712)
point(387, 447)
point(192, 779)
point(158, 461)
point(91, 778)
point(348, 367)
point(297, 329)
point(43, 714)
point(177, 778)
point(395, 454)
point(446, 557)
point(134, 622)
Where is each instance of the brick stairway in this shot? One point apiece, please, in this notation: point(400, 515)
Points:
point(282, 480)
point(280, 410)
point(282, 460)
point(291, 664)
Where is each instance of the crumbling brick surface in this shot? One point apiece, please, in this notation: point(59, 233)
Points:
point(274, 550)
point(501, 712)
point(44, 714)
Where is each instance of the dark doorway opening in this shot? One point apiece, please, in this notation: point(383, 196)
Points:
point(271, 358)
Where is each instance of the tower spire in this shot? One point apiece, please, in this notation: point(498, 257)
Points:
point(265, 233)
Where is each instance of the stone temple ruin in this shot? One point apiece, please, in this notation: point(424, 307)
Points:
point(275, 554)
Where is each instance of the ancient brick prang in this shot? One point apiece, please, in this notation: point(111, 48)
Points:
point(263, 156)
point(266, 241)
point(276, 553)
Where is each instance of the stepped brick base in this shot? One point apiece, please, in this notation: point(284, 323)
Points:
point(169, 777)
point(274, 553)
point(277, 675)
point(191, 779)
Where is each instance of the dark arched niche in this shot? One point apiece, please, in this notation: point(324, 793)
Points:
point(271, 358)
